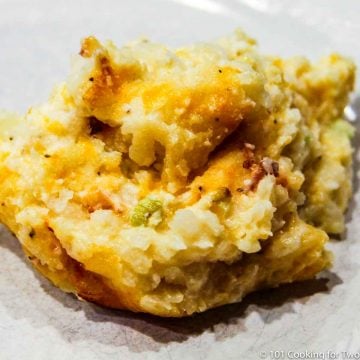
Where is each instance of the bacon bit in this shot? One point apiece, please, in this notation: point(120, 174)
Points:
point(266, 164)
point(271, 167)
point(108, 78)
point(251, 163)
point(106, 67)
point(275, 168)
point(250, 146)
point(248, 163)
point(256, 175)
point(249, 156)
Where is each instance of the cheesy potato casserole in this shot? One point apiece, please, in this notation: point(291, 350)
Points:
point(173, 181)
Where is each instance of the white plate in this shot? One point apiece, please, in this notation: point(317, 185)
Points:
point(38, 321)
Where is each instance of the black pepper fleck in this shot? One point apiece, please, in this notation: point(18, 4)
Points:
point(11, 138)
point(248, 163)
point(32, 233)
point(275, 168)
point(91, 79)
point(47, 155)
point(220, 71)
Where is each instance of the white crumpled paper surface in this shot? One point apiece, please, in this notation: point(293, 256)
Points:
point(38, 321)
